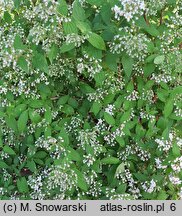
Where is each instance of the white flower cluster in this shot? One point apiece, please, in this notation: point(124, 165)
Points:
point(149, 187)
point(177, 165)
point(175, 180)
point(36, 184)
point(89, 138)
point(110, 109)
point(88, 159)
point(52, 145)
point(75, 39)
point(132, 184)
point(111, 137)
point(5, 5)
point(129, 9)
point(134, 149)
point(135, 45)
point(98, 95)
point(152, 6)
point(159, 164)
point(133, 96)
point(113, 195)
point(88, 65)
point(165, 145)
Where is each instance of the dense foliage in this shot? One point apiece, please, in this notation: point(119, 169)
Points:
point(90, 99)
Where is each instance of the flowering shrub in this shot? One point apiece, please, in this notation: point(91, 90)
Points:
point(90, 99)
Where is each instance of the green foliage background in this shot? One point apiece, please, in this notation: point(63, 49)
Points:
point(90, 101)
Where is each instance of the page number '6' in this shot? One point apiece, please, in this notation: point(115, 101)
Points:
point(173, 207)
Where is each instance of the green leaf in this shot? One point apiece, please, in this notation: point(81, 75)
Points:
point(83, 26)
point(85, 88)
point(17, 3)
point(40, 62)
point(63, 100)
point(22, 63)
point(120, 169)
point(34, 116)
point(127, 63)
point(152, 30)
point(74, 155)
point(53, 52)
point(159, 59)
point(32, 166)
point(82, 184)
point(109, 118)
point(110, 160)
point(97, 41)
point(18, 44)
point(11, 123)
point(22, 121)
point(78, 11)
point(70, 27)
point(96, 2)
point(3, 165)
point(168, 108)
point(149, 69)
point(48, 115)
point(121, 141)
point(67, 47)
point(68, 109)
point(9, 150)
point(96, 107)
point(22, 185)
point(176, 150)
point(62, 8)
point(40, 154)
point(7, 17)
point(162, 195)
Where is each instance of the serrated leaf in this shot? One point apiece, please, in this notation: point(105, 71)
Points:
point(3, 165)
point(62, 8)
point(22, 185)
point(22, 121)
point(127, 63)
point(162, 195)
point(159, 59)
point(110, 160)
point(83, 26)
point(121, 141)
point(9, 150)
point(39, 62)
point(97, 41)
point(67, 47)
point(74, 155)
point(40, 154)
point(82, 184)
point(78, 11)
point(48, 115)
point(96, 107)
point(53, 52)
point(168, 108)
point(176, 150)
point(109, 118)
point(120, 169)
point(70, 27)
point(22, 63)
point(18, 44)
point(152, 30)
point(32, 166)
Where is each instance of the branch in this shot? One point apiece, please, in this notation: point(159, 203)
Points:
point(161, 17)
point(145, 17)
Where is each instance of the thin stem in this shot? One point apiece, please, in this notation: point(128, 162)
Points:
point(145, 17)
point(161, 17)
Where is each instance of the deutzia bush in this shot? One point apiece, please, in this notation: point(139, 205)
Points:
point(90, 99)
